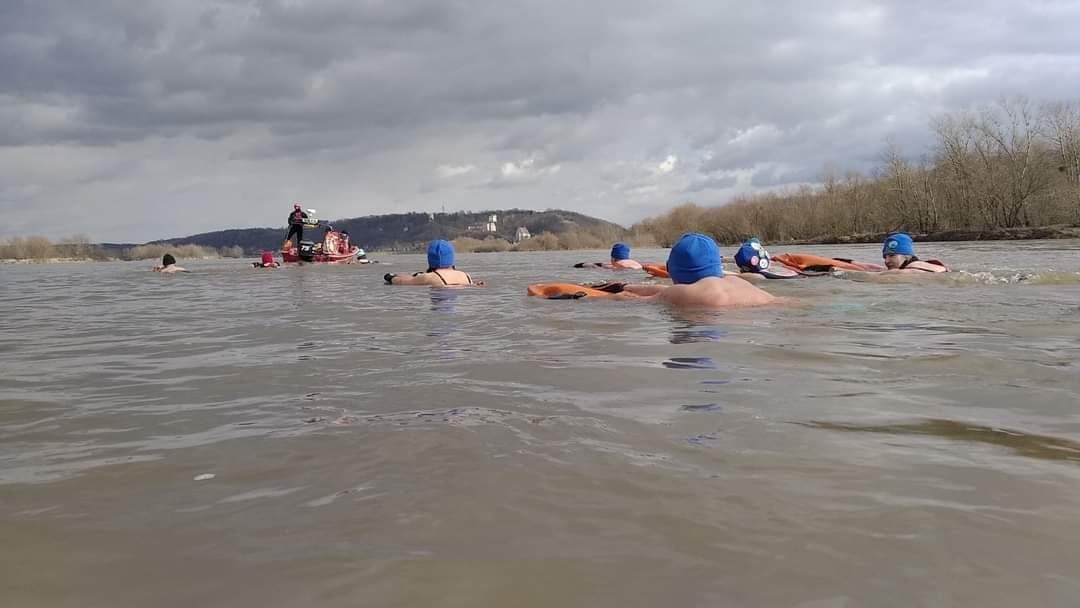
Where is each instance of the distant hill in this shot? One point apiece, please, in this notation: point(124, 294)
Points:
point(412, 231)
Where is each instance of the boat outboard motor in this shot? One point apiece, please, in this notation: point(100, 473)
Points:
point(307, 250)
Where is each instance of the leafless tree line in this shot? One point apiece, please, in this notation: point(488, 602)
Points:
point(1009, 165)
point(79, 247)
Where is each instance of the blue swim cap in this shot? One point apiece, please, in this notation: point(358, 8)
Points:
point(620, 251)
point(440, 254)
point(693, 258)
point(752, 257)
point(898, 243)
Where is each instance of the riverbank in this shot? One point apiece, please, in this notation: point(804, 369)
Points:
point(87, 260)
point(52, 261)
point(1060, 231)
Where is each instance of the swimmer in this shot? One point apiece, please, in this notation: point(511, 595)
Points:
point(898, 250)
point(267, 261)
point(620, 260)
point(699, 282)
point(754, 263)
point(440, 273)
point(620, 257)
point(168, 264)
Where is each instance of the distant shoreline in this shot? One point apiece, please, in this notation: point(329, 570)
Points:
point(1061, 231)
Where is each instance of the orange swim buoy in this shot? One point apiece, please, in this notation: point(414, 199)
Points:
point(806, 261)
point(565, 291)
point(656, 270)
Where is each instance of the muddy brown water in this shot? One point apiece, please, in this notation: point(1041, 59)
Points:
point(879, 444)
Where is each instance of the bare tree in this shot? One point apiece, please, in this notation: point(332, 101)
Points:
point(959, 182)
point(1062, 131)
point(1061, 128)
point(1006, 142)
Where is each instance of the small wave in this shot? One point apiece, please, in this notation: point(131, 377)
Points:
point(1015, 277)
point(1043, 447)
point(965, 277)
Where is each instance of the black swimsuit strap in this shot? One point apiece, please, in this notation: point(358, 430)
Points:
point(909, 261)
point(440, 277)
point(915, 259)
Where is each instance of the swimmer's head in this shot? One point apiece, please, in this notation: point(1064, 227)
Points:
point(167, 260)
point(897, 249)
point(752, 257)
point(695, 257)
point(267, 257)
point(620, 251)
point(440, 254)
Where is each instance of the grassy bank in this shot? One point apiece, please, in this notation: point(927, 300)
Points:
point(76, 249)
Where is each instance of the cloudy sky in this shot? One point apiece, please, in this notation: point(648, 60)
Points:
point(132, 120)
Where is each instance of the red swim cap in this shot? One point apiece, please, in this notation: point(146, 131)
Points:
point(267, 257)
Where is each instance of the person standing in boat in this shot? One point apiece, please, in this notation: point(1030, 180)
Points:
point(296, 224)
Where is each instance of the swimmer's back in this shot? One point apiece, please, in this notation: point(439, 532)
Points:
point(450, 276)
point(716, 292)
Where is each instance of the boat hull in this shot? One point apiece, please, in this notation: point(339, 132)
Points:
point(292, 256)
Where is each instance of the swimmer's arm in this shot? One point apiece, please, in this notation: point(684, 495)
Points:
point(641, 291)
point(676, 295)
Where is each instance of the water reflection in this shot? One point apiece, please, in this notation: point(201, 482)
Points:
point(692, 326)
point(444, 326)
point(695, 318)
point(690, 335)
point(444, 300)
point(1026, 444)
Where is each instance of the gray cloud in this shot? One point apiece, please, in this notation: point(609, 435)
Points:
point(161, 118)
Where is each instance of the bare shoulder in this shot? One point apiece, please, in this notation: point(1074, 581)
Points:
point(932, 267)
point(717, 292)
point(430, 278)
point(744, 290)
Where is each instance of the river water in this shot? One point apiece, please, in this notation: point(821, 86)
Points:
point(875, 444)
